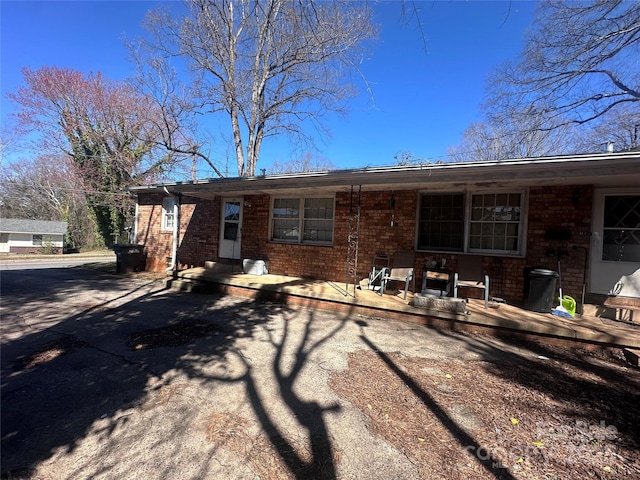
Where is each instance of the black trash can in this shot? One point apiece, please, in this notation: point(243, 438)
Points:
point(130, 257)
point(539, 289)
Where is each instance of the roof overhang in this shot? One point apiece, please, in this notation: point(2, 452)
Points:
point(601, 170)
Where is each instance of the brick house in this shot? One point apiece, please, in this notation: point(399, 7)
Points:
point(583, 211)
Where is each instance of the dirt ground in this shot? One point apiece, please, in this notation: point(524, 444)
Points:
point(105, 378)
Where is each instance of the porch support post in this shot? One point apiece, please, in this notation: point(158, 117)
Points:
point(176, 234)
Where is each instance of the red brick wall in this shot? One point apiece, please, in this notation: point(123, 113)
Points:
point(564, 208)
point(157, 242)
point(199, 220)
point(286, 259)
point(567, 208)
point(199, 234)
point(255, 226)
point(561, 208)
point(329, 262)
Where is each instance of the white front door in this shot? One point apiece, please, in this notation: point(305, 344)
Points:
point(230, 228)
point(615, 242)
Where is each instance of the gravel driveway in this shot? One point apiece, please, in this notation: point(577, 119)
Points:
point(112, 377)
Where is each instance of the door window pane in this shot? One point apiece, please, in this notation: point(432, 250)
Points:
point(621, 236)
point(230, 231)
point(232, 211)
point(231, 220)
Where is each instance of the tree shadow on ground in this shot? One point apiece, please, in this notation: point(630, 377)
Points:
point(84, 373)
point(588, 392)
point(589, 383)
point(464, 438)
point(292, 349)
point(78, 375)
point(310, 413)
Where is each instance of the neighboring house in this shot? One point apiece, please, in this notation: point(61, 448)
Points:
point(31, 236)
point(583, 211)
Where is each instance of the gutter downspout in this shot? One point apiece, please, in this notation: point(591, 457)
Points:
point(176, 235)
point(134, 237)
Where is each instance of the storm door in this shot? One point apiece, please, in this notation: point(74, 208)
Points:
point(231, 228)
point(615, 243)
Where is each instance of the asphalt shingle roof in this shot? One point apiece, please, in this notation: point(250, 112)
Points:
point(18, 225)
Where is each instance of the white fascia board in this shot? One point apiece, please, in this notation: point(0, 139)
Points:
point(561, 169)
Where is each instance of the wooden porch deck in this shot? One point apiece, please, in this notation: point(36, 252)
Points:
point(500, 320)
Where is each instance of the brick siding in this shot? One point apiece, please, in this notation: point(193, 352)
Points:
point(550, 208)
point(199, 220)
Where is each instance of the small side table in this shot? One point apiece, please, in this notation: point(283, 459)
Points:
point(436, 280)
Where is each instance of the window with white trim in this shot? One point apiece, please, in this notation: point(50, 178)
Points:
point(168, 213)
point(302, 220)
point(36, 240)
point(471, 223)
point(495, 222)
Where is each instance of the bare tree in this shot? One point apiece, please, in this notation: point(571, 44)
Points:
point(105, 127)
point(7, 140)
point(270, 66)
point(494, 142)
point(47, 188)
point(404, 158)
point(621, 127)
point(580, 61)
point(175, 128)
point(307, 163)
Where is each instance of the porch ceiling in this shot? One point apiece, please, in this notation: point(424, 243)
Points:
point(601, 170)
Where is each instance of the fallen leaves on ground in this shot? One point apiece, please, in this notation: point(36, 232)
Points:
point(574, 416)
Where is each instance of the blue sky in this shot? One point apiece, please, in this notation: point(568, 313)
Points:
point(424, 98)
